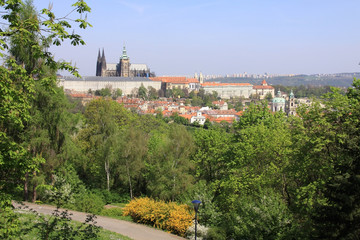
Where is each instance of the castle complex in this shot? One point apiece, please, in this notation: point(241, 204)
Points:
point(122, 69)
point(130, 77)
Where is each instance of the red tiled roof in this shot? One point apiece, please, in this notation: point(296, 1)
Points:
point(213, 84)
point(192, 80)
point(187, 116)
point(264, 82)
point(80, 95)
point(218, 102)
point(218, 120)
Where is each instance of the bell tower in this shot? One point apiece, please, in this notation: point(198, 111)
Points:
point(124, 64)
point(292, 104)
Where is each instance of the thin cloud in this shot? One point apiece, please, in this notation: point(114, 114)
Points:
point(136, 7)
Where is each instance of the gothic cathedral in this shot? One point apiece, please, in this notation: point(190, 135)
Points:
point(122, 69)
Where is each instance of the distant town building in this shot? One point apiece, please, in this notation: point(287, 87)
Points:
point(198, 118)
point(263, 89)
point(221, 105)
point(122, 69)
point(199, 77)
point(177, 82)
point(228, 90)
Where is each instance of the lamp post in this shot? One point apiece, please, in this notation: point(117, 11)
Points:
point(196, 204)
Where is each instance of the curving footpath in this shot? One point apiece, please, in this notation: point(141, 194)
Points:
point(129, 229)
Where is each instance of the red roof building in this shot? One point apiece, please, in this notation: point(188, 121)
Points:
point(263, 89)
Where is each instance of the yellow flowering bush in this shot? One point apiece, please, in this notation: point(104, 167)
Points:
point(171, 216)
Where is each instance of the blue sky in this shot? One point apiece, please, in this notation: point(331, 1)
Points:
point(220, 37)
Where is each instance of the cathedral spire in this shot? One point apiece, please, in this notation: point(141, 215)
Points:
point(98, 64)
point(124, 54)
point(103, 54)
point(99, 56)
point(103, 62)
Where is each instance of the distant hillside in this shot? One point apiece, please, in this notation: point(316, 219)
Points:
point(336, 80)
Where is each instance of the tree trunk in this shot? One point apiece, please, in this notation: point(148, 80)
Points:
point(107, 170)
point(34, 193)
point(174, 186)
point(26, 190)
point(129, 177)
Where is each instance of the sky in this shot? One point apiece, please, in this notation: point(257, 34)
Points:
point(181, 37)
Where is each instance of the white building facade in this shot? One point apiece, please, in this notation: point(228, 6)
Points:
point(229, 90)
point(126, 84)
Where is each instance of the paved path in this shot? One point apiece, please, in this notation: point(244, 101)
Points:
point(132, 230)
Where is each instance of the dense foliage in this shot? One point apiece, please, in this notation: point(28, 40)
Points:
point(268, 176)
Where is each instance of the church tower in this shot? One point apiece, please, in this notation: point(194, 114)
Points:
point(292, 104)
point(124, 64)
point(201, 78)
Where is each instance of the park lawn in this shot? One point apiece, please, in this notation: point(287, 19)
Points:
point(115, 210)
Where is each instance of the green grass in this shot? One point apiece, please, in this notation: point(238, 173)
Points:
point(29, 231)
point(115, 212)
point(118, 204)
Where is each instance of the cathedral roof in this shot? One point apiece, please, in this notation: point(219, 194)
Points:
point(111, 66)
point(138, 67)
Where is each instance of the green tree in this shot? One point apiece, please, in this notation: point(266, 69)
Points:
point(142, 93)
point(22, 30)
point(153, 94)
point(338, 217)
point(17, 84)
point(261, 216)
point(168, 167)
point(268, 96)
point(105, 118)
point(105, 92)
point(117, 93)
point(178, 92)
point(212, 148)
point(169, 93)
point(131, 153)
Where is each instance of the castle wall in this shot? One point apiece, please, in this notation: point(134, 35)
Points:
point(127, 85)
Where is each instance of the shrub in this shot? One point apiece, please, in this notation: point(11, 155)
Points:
point(171, 216)
point(216, 233)
point(261, 216)
point(111, 197)
point(90, 203)
point(202, 232)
